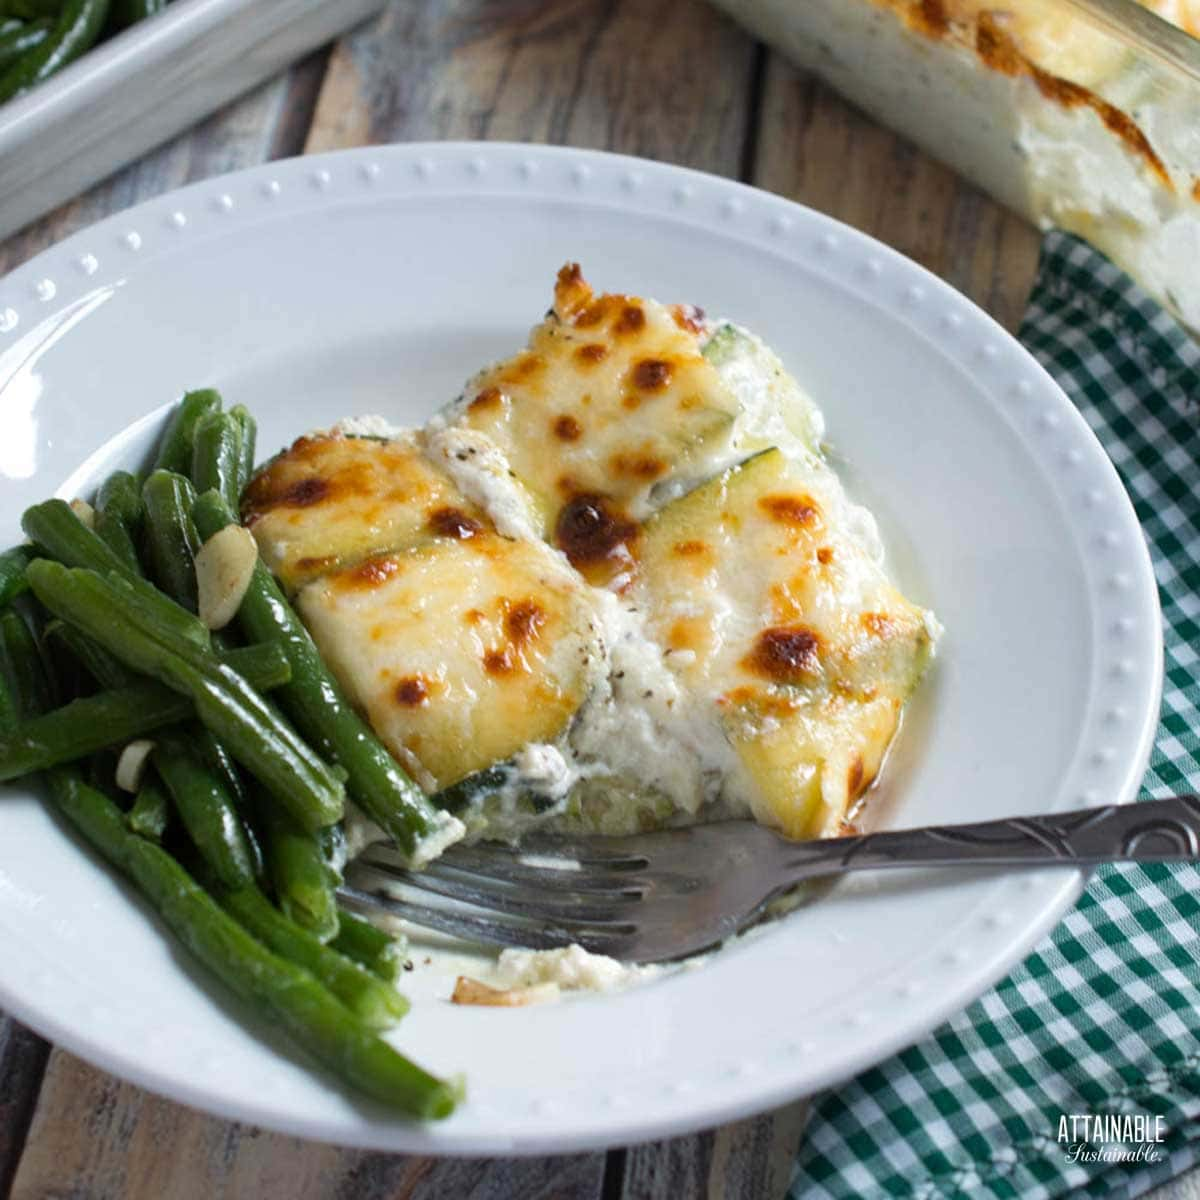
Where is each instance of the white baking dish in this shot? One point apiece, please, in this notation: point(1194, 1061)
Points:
point(138, 89)
point(1081, 114)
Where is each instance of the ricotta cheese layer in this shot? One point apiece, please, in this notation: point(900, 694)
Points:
point(614, 585)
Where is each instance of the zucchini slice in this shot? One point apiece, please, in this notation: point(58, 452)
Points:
point(459, 652)
point(770, 608)
point(331, 501)
point(611, 397)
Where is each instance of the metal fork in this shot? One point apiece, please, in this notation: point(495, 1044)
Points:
point(661, 896)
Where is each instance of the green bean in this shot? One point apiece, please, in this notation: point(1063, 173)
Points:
point(129, 12)
point(12, 573)
point(269, 748)
point(98, 663)
point(372, 1001)
point(16, 42)
point(120, 516)
point(150, 813)
point(10, 712)
point(264, 664)
point(54, 527)
point(303, 880)
point(171, 536)
point(29, 10)
point(367, 944)
point(175, 449)
point(217, 456)
point(164, 504)
point(206, 810)
point(27, 671)
point(249, 427)
point(287, 995)
point(313, 699)
point(220, 762)
point(115, 716)
point(75, 29)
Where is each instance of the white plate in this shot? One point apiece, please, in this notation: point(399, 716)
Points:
point(376, 281)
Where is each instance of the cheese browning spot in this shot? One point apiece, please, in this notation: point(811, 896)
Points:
point(825, 555)
point(785, 654)
point(571, 291)
point(591, 354)
point(412, 692)
point(631, 320)
point(790, 510)
point(688, 317)
point(452, 522)
point(652, 374)
point(878, 624)
point(689, 549)
point(687, 633)
point(592, 315)
point(638, 466)
point(304, 492)
point(487, 399)
point(931, 16)
point(499, 662)
point(313, 565)
point(370, 574)
point(589, 530)
point(567, 428)
point(523, 620)
point(854, 777)
point(523, 367)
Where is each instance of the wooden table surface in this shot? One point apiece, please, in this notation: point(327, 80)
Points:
point(667, 79)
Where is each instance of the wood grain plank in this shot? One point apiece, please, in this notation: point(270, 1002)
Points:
point(22, 1063)
point(815, 148)
point(667, 79)
point(746, 1160)
point(94, 1136)
point(258, 127)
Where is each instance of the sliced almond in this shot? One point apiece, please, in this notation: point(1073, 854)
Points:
point(472, 991)
point(224, 566)
point(85, 512)
point(131, 766)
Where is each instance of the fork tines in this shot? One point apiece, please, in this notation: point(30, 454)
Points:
point(546, 894)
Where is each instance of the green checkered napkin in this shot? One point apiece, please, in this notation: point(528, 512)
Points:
point(1104, 1016)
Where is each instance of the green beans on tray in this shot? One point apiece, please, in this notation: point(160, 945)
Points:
point(233, 834)
point(40, 37)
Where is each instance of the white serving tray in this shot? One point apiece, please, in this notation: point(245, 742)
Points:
point(133, 92)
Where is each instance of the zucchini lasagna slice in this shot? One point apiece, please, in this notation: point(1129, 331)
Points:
point(615, 585)
point(776, 620)
point(459, 645)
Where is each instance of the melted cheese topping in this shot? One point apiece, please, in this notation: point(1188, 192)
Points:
point(788, 628)
point(332, 500)
point(460, 652)
point(611, 397)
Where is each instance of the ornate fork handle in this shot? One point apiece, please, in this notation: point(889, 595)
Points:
point(1152, 831)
